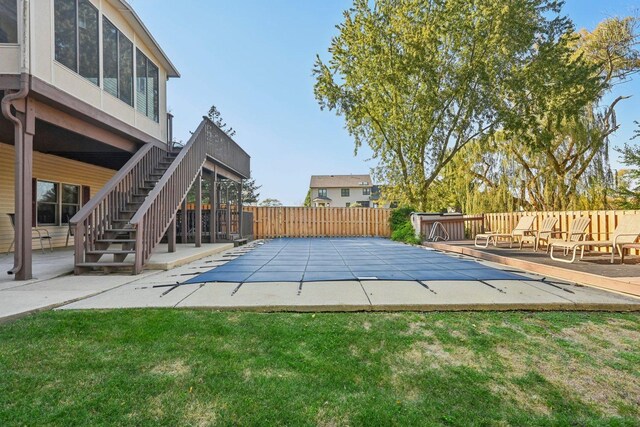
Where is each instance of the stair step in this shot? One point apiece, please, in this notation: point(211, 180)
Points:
point(145, 188)
point(154, 181)
point(112, 252)
point(156, 174)
point(138, 195)
point(104, 264)
point(116, 241)
point(127, 211)
point(120, 220)
point(121, 230)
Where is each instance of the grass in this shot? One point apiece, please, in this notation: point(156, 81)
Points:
point(178, 367)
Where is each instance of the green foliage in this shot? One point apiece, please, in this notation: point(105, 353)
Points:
point(307, 199)
point(399, 216)
point(216, 117)
point(417, 80)
point(270, 202)
point(405, 233)
point(250, 194)
point(628, 189)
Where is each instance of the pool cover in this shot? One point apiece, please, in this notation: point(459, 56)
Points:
point(324, 259)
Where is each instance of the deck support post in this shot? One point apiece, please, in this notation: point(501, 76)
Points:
point(240, 210)
point(24, 194)
point(198, 225)
point(228, 214)
point(213, 212)
point(171, 235)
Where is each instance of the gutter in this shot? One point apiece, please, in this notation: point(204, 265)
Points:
point(19, 133)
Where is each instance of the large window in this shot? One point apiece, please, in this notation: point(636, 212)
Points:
point(344, 192)
point(76, 37)
point(366, 191)
point(8, 21)
point(147, 86)
point(56, 203)
point(47, 203)
point(322, 192)
point(117, 60)
point(70, 202)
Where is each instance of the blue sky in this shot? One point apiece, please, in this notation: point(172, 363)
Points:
point(253, 60)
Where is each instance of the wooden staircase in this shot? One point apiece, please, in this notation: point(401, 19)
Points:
point(119, 227)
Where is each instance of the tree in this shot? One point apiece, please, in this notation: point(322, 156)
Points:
point(216, 117)
point(553, 154)
point(417, 80)
point(628, 188)
point(250, 193)
point(271, 202)
point(307, 199)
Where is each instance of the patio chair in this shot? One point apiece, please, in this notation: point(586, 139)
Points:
point(524, 226)
point(627, 232)
point(577, 231)
point(544, 233)
point(43, 234)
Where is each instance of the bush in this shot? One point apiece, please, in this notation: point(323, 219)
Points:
point(405, 233)
point(400, 216)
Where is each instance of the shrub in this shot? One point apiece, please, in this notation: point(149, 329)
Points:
point(399, 216)
point(405, 233)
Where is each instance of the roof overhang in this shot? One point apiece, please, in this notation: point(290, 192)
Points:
point(143, 32)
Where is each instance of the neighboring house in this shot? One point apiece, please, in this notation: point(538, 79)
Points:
point(341, 191)
point(84, 118)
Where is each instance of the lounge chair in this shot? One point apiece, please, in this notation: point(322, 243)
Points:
point(544, 233)
point(577, 231)
point(523, 227)
point(627, 232)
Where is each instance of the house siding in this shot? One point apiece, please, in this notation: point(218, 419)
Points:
point(50, 168)
point(337, 201)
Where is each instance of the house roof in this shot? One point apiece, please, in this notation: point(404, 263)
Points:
point(322, 199)
point(141, 30)
point(340, 181)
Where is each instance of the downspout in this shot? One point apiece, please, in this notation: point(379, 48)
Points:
point(18, 132)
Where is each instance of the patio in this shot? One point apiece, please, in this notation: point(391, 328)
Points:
point(594, 270)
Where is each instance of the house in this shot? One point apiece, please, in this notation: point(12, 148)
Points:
point(340, 191)
point(86, 139)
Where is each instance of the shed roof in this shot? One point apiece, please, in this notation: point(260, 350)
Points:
point(340, 181)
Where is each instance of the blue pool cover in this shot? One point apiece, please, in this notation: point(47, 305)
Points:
point(324, 259)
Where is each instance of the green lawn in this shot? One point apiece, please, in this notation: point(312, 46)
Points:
point(178, 367)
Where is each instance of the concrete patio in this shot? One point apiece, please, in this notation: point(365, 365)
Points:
point(158, 289)
point(54, 285)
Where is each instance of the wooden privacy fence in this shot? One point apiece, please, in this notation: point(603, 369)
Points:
point(269, 222)
point(601, 222)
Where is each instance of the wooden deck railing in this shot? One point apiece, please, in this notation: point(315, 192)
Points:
point(270, 222)
point(94, 218)
point(602, 222)
point(153, 218)
point(224, 150)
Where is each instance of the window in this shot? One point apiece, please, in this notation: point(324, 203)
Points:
point(147, 86)
point(47, 203)
point(364, 204)
point(70, 202)
point(76, 37)
point(322, 192)
point(348, 204)
point(366, 191)
point(8, 21)
point(117, 58)
point(344, 192)
point(56, 203)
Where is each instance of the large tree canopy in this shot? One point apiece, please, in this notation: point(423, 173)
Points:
point(417, 80)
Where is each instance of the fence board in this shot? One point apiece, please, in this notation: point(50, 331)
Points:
point(270, 222)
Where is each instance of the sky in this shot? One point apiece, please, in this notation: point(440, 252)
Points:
point(253, 59)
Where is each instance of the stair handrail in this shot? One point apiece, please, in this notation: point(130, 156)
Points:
point(153, 218)
point(86, 210)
